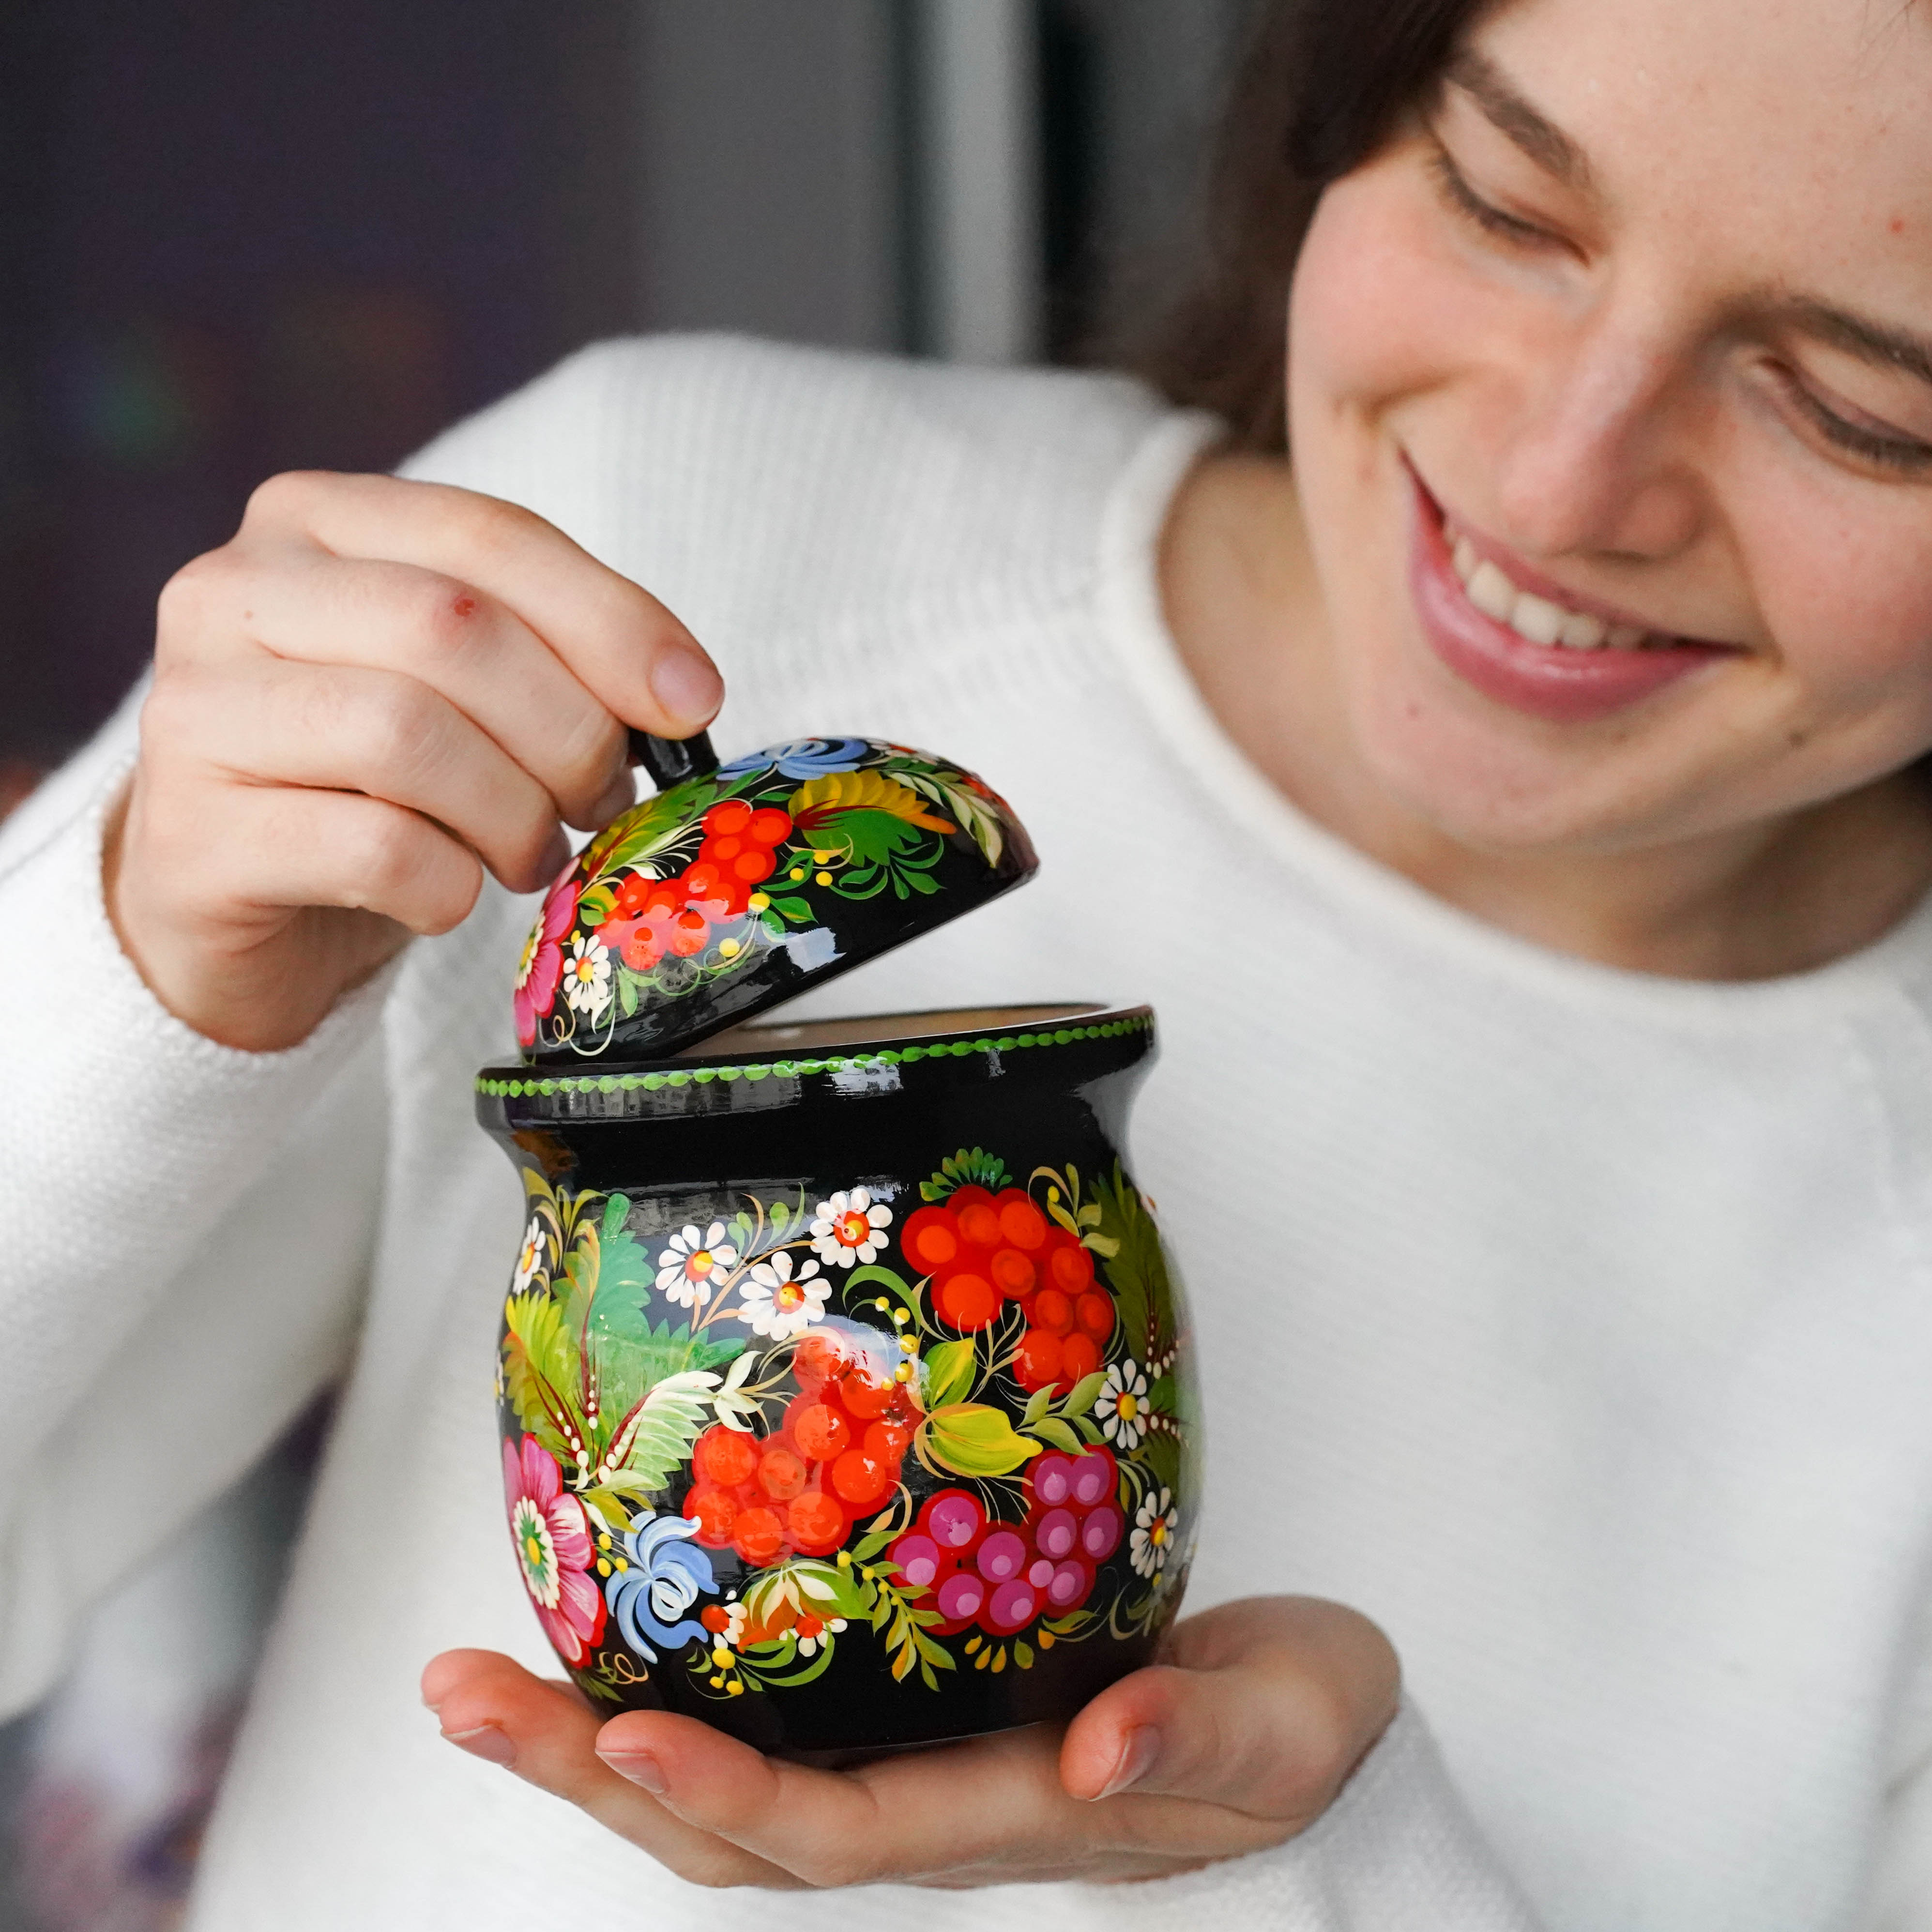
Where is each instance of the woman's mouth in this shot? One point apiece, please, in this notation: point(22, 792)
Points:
point(1523, 641)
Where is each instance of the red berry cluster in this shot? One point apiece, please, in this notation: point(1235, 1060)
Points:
point(655, 917)
point(982, 1249)
point(835, 1460)
point(1001, 1575)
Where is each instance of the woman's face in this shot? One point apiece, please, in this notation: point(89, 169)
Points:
point(1630, 336)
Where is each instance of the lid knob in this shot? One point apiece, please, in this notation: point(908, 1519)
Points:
point(670, 761)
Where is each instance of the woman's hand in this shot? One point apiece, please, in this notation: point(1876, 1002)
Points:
point(1239, 1739)
point(375, 690)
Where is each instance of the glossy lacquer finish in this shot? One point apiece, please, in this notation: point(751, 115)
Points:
point(737, 887)
point(845, 1389)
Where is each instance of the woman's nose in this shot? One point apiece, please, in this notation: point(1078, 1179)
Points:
point(1598, 458)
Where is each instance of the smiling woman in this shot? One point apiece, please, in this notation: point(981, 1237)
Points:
point(1492, 732)
point(1608, 548)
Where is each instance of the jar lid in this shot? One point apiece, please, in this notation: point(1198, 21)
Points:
point(739, 886)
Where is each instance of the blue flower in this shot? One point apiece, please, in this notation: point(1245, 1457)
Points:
point(666, 1576)
point(803, 758)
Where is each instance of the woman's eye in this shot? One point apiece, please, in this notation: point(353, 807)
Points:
point(1483, 214)
point(1902, 455)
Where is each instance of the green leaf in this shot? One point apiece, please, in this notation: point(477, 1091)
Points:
point(828, 1590)
point(1084, 1393)
point(647, 828)
point(1137, 1270)
point(1023, 1656)
point(951, 1369)
point(800, 912)
point(540, 1367)
point(970, 1166)
point(1051, 1428)
point(871, 1272)
point(596, 906)
point(1161, 1453)
point(969, 1439)
point(627, 991)
point(1036, 1405)
point(655, 1437)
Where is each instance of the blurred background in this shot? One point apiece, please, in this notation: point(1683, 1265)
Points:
point(237, 236)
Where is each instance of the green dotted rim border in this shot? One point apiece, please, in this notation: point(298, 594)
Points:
point(905, 1056)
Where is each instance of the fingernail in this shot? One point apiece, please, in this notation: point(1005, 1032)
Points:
point(488, 1741)
point(687, 684)
point(640, 1768)
point(1139, 1749)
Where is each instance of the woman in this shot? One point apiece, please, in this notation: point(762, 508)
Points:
point(1513, 808)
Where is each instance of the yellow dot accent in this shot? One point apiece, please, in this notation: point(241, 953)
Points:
point(603, 1541)
point(622, 1564)
point(759, 901)
point(722, 1657)
point(717, 1683)
point(821, 858)
point(1046, 1639)
point(603, 1568)
point(796, 872)
point(824, 878)
point(729, 948)
point(736, 1688)
point(844, 1559)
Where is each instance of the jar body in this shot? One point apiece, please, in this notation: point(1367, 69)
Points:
point(846, 1398)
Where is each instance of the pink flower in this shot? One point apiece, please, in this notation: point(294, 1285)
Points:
point(542, 965)
point(554, 1547)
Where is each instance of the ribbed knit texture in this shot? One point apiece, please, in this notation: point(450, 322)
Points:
point(1576, 1325)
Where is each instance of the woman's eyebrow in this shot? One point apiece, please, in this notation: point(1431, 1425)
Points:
point(1504, 107)
point(1880, 343)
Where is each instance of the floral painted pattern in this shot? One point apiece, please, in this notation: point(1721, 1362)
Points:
point(779, 1303)
point(691, 885)
point(658, 1578)
point(690, 1262)
point(554, 1545)
point(850, 1227)
point(959, 1433)
point(540, 970)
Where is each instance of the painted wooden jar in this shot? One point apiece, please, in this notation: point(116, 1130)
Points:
point(844, 1384)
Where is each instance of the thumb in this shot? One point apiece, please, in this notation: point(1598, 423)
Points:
point(1267, 1707)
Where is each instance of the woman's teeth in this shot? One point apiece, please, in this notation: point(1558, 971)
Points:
point(1536, 618)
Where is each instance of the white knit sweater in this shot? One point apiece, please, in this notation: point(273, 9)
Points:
point(1575, 1324)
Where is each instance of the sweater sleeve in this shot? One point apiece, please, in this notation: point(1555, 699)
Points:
point(186, 1230)
point(1396, 1851)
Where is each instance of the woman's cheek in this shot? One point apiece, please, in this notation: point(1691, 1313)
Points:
point(1845, 591)
point(1383, 310)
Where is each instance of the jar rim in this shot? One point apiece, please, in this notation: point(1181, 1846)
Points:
point(874, 1049)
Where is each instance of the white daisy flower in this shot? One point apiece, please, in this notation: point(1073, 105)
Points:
point(530, 1256)
point(850, 1227)
point(694, 1263)
point(1121, 1407)
point(587, 975)
point(780, 1304)
point(1156, 1523)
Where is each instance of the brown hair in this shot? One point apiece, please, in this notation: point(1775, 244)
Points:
point(1320, 84)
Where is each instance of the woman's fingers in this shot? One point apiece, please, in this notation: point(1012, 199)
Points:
point(637, 658)
point(1267, 1707)
point(987, 1811)
point(496, 1710)
point(473, 650)
point(281, 847)
point(271, 722)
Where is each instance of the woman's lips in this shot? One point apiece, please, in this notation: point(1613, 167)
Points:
point(1550, 681)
